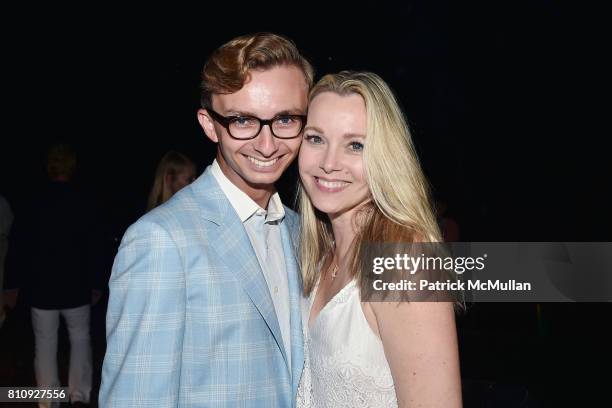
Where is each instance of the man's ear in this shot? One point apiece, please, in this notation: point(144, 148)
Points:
point(207, 125)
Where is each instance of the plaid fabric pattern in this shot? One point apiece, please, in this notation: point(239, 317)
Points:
point(190, 320)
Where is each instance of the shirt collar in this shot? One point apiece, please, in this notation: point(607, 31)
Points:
point(243, 204)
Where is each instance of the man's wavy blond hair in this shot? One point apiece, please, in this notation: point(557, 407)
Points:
point(227, 69)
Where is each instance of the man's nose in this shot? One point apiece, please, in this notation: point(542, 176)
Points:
point(265, 142)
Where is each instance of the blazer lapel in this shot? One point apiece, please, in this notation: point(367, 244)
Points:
point(295, 297)
point(231, 242)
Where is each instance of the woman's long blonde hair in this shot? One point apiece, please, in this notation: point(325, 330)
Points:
point(400, 209)
point(171, 165)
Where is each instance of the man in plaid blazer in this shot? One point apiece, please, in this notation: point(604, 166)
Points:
point(205, 289)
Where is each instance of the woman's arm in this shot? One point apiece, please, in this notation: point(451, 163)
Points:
point(420, 342)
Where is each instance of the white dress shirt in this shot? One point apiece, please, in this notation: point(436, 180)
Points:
point(263, 228)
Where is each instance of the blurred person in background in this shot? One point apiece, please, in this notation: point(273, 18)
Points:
point(58, 265)
point(174, 171)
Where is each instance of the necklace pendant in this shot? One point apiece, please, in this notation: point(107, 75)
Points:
point(334, 272)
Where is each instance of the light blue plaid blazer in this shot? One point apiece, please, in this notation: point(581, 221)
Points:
point(190, 320)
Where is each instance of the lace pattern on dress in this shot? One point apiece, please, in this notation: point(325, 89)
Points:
point(345, 365)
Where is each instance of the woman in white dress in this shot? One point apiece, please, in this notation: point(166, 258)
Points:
point(361, 181)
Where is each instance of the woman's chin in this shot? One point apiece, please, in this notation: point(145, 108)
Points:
point(332, 212)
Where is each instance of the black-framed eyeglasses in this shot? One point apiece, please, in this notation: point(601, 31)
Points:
point(244, 127)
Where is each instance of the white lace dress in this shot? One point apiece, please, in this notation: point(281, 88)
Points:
point(345, 364)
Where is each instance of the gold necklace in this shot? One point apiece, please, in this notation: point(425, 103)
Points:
point(334, 271)
point(335, 267)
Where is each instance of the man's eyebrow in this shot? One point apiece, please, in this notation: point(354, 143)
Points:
point(291, 112)
point(240, 112)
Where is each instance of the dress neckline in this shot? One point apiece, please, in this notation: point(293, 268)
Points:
point(333, 299)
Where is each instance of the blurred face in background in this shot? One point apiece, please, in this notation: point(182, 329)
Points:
point(182, 179)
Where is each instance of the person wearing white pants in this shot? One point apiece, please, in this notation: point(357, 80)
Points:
point(45, 324)
point(58, 263)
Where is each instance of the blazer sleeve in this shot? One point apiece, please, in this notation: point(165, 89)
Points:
point(145, 321)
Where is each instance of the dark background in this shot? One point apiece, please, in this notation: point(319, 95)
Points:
point(501, 98)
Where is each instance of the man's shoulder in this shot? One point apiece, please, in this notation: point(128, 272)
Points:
point(291, 213)
point(172, 216)
point(180, 216)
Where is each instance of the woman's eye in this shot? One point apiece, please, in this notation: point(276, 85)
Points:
point(314, 139)
point(356, 146)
